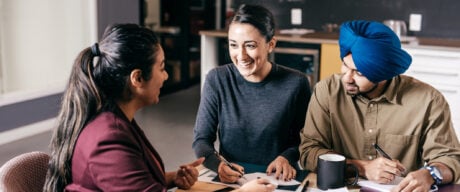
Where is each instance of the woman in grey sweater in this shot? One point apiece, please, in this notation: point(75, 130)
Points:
point(255, 107)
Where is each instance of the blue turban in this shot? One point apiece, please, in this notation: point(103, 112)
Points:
point(375, 48)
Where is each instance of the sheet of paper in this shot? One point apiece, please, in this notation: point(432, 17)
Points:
point(378, 186)
point(343, 189)
point(210, 177)
point(252, 176)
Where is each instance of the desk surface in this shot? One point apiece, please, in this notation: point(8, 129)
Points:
point(204, 186)
point(201, 186)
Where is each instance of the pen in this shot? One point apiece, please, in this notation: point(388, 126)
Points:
point(305, 186)
point(228, 163)
point(380, 150)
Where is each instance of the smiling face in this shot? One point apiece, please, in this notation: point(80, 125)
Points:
point(249, 51)
point(158, 77)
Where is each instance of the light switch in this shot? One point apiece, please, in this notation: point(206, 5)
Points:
point(415, 22)
point(296, 16)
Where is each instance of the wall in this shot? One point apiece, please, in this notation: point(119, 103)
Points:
point(39, 41)
point(28, 112)
point(440, 18)
point(118, 11)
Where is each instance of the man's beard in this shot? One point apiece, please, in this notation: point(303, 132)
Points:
point(363, 93)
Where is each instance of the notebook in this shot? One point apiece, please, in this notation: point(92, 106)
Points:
point(380, 187)
point(291, 185)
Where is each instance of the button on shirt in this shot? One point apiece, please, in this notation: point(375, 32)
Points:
point(410, 121)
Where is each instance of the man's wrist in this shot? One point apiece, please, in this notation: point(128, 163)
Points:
point(435, 174)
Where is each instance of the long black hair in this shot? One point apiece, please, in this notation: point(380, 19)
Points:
point(98, 79)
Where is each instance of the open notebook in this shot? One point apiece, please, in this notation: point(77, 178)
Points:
point(291, 185)
point(271, 178)
point(380, 187)
point(383, 187)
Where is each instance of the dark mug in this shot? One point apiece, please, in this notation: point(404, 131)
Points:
point(332, 171)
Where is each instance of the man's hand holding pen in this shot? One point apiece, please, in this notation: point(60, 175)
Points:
point(383, 169)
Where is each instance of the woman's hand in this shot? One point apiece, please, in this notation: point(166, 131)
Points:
point(283, 170)
point(262, 185)
point(187, 175)
point(227, 174)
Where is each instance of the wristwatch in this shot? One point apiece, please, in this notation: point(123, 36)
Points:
point(435, 173)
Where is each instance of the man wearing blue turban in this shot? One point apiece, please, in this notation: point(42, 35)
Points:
point(369, 103)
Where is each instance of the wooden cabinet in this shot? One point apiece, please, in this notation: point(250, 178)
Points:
point(441, 69)
point(330, 60)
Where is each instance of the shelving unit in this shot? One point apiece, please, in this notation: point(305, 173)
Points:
point(180, 22)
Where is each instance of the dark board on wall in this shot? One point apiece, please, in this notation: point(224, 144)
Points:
point(440, 18)
point(111, 12)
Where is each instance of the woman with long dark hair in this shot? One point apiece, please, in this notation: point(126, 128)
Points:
point(97, 145)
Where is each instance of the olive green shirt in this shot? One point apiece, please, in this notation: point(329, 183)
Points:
point(411, 121)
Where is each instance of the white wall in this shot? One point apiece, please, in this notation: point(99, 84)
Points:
point(39, 41)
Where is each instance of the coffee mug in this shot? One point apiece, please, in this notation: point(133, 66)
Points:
point(332, 170)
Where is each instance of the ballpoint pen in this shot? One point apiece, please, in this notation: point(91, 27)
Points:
point(305, 186)
point(380, 150)
point(229, 164)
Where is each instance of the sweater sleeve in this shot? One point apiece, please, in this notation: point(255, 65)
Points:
point(205, 131)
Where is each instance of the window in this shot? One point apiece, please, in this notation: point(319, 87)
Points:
point(39, 41)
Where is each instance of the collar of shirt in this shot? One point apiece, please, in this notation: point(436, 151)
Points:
point(390, 95)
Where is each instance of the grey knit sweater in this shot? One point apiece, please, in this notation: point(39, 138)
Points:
point(255, 122)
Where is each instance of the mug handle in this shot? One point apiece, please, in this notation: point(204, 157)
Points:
point(355, 169)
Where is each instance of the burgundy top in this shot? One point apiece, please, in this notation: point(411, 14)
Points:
point(113, 154)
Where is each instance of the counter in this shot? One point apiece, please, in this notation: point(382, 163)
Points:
point(318, 37)
point(332, 37)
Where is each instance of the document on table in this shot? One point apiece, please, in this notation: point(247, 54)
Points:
point(378, 186)
point(211, 177)
point(383, 187)
point(342, 189)
point(271, 178)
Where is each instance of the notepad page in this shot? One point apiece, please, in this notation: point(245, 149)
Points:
point(271, 178)
point(378, 186)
